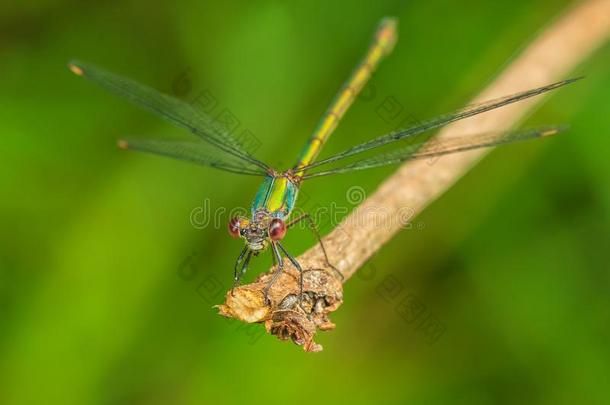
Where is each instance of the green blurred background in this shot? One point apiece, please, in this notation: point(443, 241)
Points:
point(106, 288)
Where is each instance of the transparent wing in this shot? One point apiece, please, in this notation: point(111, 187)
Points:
point(194, 152)
point(438, 122)
point(176, 111)
point(434, 148)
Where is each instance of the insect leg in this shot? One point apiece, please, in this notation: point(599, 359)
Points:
point(277, 258)
point(245, 266)
point(296, 264)
point(312, 226)
point(238, 273)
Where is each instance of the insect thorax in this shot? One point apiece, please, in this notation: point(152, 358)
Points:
point(276, 196)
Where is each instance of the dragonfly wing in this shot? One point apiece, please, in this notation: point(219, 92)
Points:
point(194, 152)
point(176, 111)
point(435, 148)
point(438, 122)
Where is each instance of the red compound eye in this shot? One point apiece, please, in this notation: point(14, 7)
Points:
point(234, 227)
point(277, 229)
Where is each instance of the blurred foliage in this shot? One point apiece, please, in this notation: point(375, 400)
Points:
point(106, 289)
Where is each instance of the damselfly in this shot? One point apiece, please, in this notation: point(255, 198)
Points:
point(275, 200)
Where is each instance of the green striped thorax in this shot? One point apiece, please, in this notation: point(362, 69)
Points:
point(273, 203)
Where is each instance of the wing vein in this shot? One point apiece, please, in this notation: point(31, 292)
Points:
point(438, 122)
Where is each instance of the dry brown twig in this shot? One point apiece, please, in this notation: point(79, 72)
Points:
point(550, 57)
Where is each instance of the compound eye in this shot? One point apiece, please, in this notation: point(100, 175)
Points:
point(233, 227)
point(277, 229)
